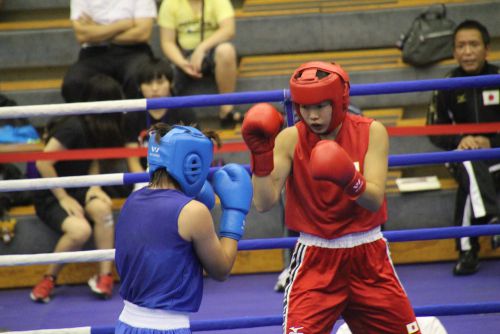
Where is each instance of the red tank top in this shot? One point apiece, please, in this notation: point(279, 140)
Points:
point(320, 207)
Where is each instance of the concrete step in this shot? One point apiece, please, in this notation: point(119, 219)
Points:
point(299, 7)
point(33, 5)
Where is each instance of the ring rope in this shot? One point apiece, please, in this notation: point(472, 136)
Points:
point(267, 321)
point(397, 87)
point(78, 108)
point(430, 158)
point(254, 244)
point(391, 236)
point(443, 129)
point(125, 152)
point(100, 153)
point(130, 178)
point(239, 98)
point(437, 310)
point(74, 330)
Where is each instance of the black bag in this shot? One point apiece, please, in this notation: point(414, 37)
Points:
point(429, 39)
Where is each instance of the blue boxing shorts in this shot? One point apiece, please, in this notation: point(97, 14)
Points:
point(123, 328)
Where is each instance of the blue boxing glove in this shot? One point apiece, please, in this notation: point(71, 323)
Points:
point(206, 195)
point(233, 185)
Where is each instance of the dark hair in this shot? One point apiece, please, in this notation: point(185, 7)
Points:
point(155, 68)
point(105, 129)
point(473, 24)
point(160, 130)
point(101, 87)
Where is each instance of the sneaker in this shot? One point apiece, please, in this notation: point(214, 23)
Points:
point(467, 264)
point(102, 285)
point(42, 292)
point(282, 281)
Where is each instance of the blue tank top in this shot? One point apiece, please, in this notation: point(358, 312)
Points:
point(158, 269)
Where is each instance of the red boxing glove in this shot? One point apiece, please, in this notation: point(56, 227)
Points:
point(260, 127)
point(330, 162)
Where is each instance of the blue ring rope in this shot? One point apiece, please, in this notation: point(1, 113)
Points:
point(252, 322)
point(280, 95)
point(391, 236)
point(394, 161)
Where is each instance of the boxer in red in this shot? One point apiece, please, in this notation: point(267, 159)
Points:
point(334, 165)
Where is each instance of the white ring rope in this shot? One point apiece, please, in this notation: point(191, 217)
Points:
point(252, 244)
point(74, 108)
point(62, 257)
point(75, 330)
point(62, 182)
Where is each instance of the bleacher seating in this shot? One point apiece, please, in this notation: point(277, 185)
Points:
point(273, 37)
point(32, 63)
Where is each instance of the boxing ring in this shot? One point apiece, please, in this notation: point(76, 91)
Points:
point(243, 320)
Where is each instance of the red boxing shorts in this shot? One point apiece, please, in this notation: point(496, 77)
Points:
point(352, 276)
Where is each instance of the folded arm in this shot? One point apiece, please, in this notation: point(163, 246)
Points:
point(140, 32)
point(88, 31)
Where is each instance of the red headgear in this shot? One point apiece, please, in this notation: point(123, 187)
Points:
point(307, 88)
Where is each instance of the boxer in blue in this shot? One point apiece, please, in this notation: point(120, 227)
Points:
point(165, 235)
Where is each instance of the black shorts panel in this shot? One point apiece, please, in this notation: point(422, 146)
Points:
point(50, 211)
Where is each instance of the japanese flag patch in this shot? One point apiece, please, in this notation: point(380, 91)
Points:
point(491, 97)
point(412, 327)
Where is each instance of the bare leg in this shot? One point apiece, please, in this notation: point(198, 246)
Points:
point(225, 73)
point(76, 232)
point(102, 216)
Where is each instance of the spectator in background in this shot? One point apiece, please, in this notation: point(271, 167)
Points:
point(114, 36)
point(195, 37)
point(76, 213)
point(154, 79)
point(476, 198)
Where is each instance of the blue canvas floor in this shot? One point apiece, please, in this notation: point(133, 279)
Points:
point(253, 295)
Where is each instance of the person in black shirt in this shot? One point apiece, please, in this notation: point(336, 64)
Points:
point(476, 199)
point(77, 213)
point(155, 78)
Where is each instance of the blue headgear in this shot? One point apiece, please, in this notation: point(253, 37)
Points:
point(186, 153)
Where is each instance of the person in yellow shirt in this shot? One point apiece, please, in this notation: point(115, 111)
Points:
point(195, 36)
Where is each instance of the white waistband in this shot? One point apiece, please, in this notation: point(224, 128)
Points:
point(142, 317)
point(345, 241)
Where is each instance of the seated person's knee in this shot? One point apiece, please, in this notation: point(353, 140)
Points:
point(225, 52)
point(78, 229)
point(98, 209)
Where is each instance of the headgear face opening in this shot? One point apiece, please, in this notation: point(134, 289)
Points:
point(306, 88)
point(186, 153)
